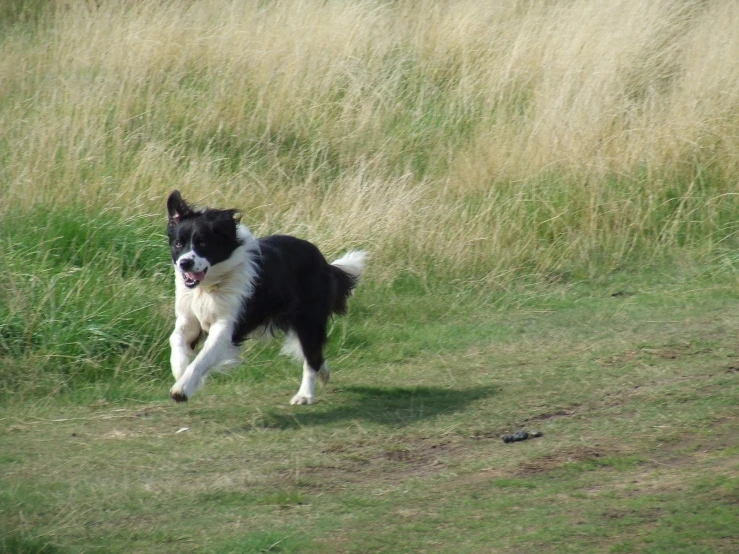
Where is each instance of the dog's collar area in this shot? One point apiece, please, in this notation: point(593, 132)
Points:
point(210, 288)
point(192, 285)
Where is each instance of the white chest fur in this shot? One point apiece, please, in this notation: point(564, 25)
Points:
point(221, 296)
point(205, 306)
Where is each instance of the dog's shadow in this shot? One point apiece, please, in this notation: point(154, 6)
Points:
point(396, 406)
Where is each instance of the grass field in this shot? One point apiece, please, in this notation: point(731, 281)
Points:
point(548, 192)
point(633, 383)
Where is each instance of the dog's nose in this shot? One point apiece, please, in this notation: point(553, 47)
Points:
point(186, 264)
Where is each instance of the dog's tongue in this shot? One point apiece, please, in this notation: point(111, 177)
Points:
point(199, 276)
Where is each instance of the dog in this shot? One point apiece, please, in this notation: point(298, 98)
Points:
point(230, 286)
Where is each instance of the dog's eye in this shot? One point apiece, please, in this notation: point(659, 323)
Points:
point(201, 243)
point(178, 244)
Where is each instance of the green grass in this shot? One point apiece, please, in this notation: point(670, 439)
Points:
point(632, 378)
point(83, 299)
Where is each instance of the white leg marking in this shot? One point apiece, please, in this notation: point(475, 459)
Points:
point(217, 349)
point(307, 385)
point(186, 331)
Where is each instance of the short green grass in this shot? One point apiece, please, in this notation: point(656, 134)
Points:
point(632, 378)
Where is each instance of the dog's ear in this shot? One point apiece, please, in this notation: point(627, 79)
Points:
point(224, 222)
point(177, 207)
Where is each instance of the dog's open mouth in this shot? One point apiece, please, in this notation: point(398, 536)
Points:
point(192, 279)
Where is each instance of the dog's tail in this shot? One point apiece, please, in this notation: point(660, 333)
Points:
point(345, 273)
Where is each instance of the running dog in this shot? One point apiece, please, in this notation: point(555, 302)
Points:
point(230, 286)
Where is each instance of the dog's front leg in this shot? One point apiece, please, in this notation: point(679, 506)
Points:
point(186, 332)
point(218, 350)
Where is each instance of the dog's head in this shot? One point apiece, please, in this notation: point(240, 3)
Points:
point(199, 239)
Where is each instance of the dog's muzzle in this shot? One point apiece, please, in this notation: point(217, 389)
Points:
point(193, 278)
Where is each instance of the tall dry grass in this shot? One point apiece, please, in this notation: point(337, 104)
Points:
point(464, 139)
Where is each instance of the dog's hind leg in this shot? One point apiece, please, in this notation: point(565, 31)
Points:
point(307, 386)
point(311, 342)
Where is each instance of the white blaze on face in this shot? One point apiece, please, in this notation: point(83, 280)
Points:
point(193, 266)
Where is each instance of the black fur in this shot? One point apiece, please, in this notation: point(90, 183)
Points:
point(296, 290)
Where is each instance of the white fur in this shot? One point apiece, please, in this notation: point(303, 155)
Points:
point(352, 262)
point(308, 384)
point(292, 347)
point(211, 307)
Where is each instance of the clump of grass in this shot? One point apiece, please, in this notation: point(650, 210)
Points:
point(83, 301)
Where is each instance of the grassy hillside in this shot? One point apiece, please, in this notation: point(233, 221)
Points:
point(548, 192)
point(480, 140)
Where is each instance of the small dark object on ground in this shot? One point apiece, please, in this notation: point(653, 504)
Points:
point(622, 293)
point(521, 436)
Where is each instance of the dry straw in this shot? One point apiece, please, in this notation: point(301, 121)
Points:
point(474, 138)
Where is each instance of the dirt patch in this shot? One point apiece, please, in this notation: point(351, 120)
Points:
point(420, 454)
point(361, 463)
point(676, 352)
point(556, 460)
point(563, 412)
point(649, 515)
point(666, 352)
point(619, 360)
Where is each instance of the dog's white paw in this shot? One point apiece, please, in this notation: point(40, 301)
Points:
point(182, 390)
point(324, 374)
point(301, 399)
point(177, 396)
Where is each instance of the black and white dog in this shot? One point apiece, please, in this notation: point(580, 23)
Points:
point(230, 285)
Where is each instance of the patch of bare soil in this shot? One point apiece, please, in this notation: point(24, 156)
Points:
point(562, 412)
point(556, 460)
point(666, 352)
point(651, 515)
point(360, 463)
